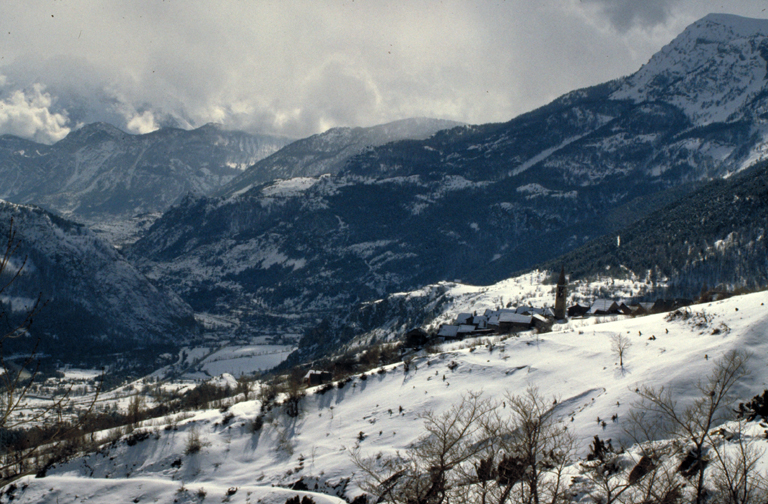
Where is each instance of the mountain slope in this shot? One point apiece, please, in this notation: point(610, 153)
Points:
point(382, 413)
point(100, 173)
point(715, 235)
point(475, 203)
point(328, 152)
point(715, 71)
point(97, 303)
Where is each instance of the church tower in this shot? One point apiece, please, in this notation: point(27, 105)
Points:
point(562, 293)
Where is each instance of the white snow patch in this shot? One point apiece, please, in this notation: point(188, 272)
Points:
point(290, 187)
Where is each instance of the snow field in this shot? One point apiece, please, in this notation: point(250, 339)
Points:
point(577, 367)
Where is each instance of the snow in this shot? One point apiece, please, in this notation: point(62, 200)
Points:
point(575, 364)
point(534, 190)
point(368, 249)
point(740, 26)
point(245, 359)
point(710, 71)
point(18, 304)
point(65, 489)
point(80, 374)
point(290, 187)
point(548, 152)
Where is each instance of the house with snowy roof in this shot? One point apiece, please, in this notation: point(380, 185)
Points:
point(315, 377)
point(542, 323)
point(480, 321)
point(465, 330)
point(514, 322)
point(448, 331)
point(603, 307)
point(577, 310)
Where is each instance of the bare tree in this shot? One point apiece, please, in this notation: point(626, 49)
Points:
point(540, 447)
point(736, 476)
point(427, 472)
point(651, 478)
point(135, 409)
point(604, 470)
point(479, 452)
point(619, 345)
point(695, 420)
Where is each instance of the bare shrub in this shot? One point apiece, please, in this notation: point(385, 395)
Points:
point(694, 421)
point(284, 442)
point(244, 386)
point(294, 390)
point(256, 424)
point(194, 443)
point(426, 473)
point(736, 477)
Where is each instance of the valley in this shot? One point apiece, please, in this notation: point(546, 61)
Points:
point(199, 314)
point(380, 411)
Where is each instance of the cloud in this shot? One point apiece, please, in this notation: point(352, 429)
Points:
point(142, 123)
point(27, 114)
point(627, 14)
point(297, 68)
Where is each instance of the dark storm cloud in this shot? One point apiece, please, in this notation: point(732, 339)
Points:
point(299, 67)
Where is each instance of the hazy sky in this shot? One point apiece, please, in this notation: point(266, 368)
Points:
point(300, 67)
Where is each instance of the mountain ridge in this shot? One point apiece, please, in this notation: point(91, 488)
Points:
point(99, 172)
point(327, 152)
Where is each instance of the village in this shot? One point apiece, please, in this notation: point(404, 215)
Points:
point(515, 319)
point(526, 318)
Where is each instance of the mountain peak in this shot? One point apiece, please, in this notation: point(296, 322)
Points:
point(711, 71)
point(95, 131)
point(211, 126)
point(738, 26)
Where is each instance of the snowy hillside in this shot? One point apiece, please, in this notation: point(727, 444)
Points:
point(576, 366)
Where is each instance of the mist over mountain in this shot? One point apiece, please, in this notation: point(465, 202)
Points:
point(100, 173)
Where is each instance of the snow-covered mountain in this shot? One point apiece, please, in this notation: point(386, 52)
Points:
point(328, 152)
point(97, 304)
point(100, 173)
point(475, 203)
point(380, 414)
point(715, 71)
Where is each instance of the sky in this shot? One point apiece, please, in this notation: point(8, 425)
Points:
point(296, 68)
